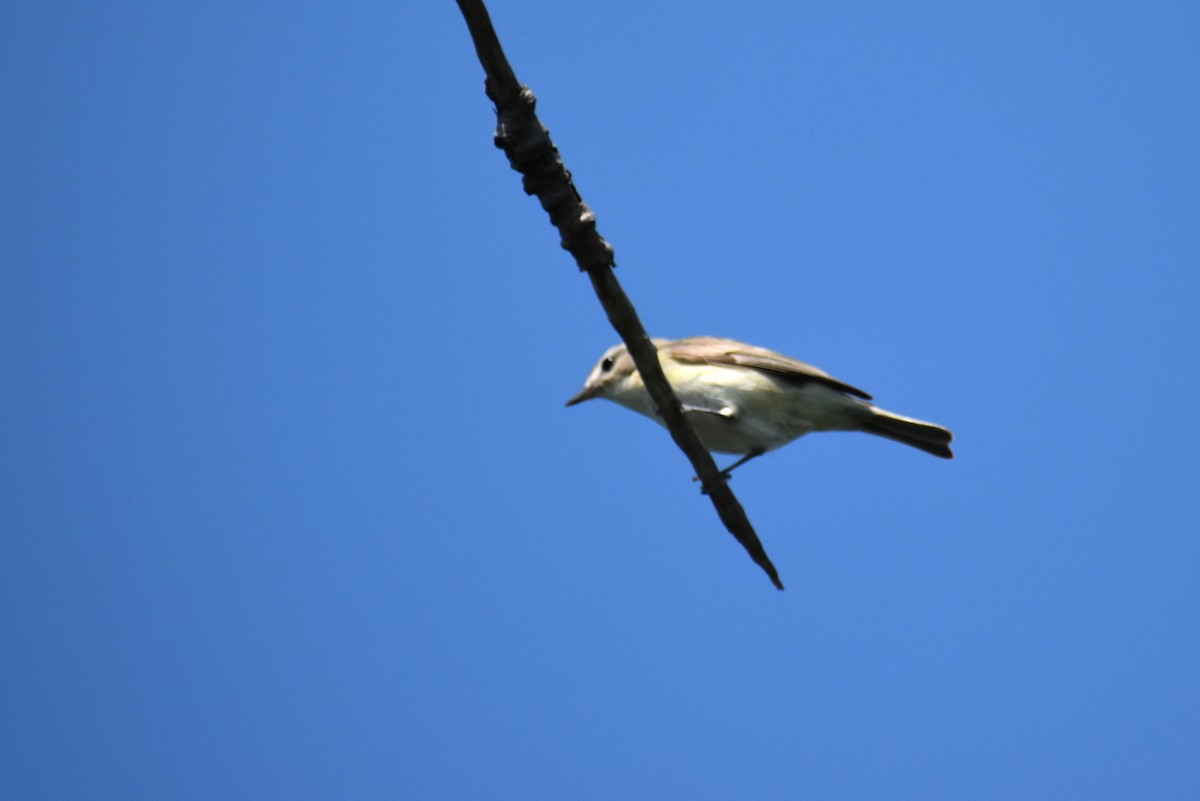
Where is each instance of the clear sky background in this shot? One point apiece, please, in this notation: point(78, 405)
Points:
point(291, 507)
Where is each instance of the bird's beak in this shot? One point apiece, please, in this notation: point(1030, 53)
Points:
point(587, 393)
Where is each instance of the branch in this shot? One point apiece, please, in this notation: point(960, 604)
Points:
point(530, 151)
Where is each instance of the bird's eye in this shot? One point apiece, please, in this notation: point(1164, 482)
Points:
point(607, 364)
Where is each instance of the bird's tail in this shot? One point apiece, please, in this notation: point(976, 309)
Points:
point(917, 433)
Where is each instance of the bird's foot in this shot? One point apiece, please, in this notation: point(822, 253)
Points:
point(725, 476)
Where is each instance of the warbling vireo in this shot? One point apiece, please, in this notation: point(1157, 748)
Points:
point(749, 400)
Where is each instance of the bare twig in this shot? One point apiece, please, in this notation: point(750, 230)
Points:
point(527, 144)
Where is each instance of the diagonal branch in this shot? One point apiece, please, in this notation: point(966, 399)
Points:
point(530, 151)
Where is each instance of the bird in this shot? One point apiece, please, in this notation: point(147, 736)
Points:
point(746, 400)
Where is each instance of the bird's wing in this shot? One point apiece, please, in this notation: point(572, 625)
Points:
point(713, 350)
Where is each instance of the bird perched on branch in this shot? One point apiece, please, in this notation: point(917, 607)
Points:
point(748, 400)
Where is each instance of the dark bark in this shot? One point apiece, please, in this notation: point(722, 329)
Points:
point(526, 142)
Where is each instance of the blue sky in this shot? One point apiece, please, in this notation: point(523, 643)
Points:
point(291, 507)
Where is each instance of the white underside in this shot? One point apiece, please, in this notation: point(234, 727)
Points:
point(740, 410)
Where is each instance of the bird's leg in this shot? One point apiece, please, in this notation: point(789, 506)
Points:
point(751, 455)
point(727, 472)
